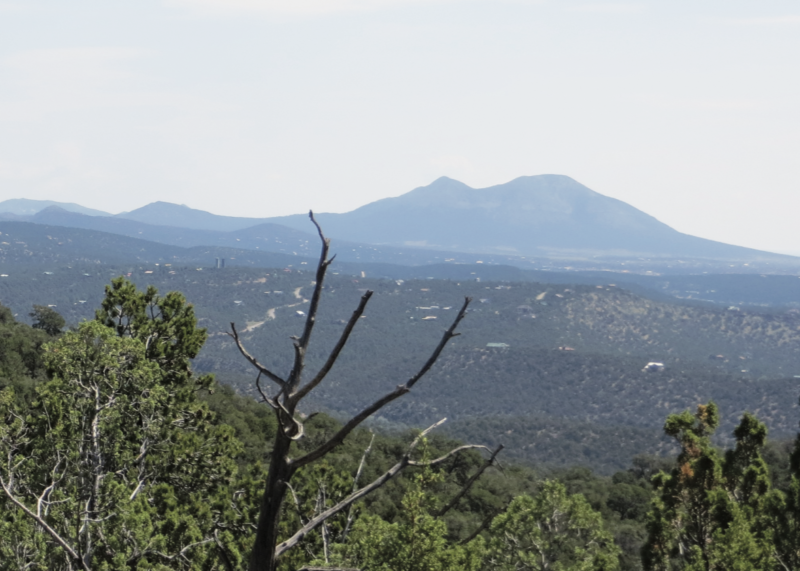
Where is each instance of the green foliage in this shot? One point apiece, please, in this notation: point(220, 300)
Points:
point(119, 457)
point(47, 319)
point(712, 511)
point(206, 451)
point(551, 530)
point(416, 541)
point(167, 326)
point(20, 350)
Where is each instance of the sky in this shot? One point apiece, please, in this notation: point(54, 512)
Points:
point(686, 110)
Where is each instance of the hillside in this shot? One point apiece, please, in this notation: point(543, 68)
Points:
point(267, 245)
point(745, 360)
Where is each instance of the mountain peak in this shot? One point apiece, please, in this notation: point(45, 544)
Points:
point(162, 213)
point(550, 215)
point(29, 207)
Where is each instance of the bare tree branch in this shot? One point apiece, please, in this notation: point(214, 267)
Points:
point(375, 484)
point(226, 560)
point(182, 552)
point(484, 525)
point(301, 345)
point(252, 360)
point(282, 468)
point(450, 454)
point(272, 403)
point(349, 522)
point(299, 395)
point(339, 437)
point(469, 483)
point(40, 521)
point(449, 334)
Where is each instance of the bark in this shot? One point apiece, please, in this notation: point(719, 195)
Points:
point(262, 558)
point(290, 393)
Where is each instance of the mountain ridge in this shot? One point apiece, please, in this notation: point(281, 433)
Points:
point(29, 207)
point(542, 216)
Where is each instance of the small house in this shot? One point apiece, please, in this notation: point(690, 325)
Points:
point(653, 367)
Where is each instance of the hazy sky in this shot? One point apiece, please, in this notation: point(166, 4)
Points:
point(687, 110)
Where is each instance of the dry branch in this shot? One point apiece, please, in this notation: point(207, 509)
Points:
point(469, 483)
point(40, 521)
point(404, 462)
point(339, 437)
point(301, 345)
point(282, 468)
point(252, 360)
point(359, 311)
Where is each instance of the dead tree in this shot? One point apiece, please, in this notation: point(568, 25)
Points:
point(289, 392)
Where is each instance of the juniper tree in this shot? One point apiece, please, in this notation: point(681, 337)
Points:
point(710, 512)
point(47, 319)
point(784, 512)
point(117, 465)
point(551, 530)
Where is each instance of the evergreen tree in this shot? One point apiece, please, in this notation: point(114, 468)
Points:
point(416, 541)
point(118, 465)
point(47, 319)
point(551, 530)
point(711, 511)
point(785, 515)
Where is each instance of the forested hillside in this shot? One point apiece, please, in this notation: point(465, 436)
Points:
point(548, 405)
point(575, 353)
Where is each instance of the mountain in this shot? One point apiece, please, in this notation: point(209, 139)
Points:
point(528, 222)
point(545, 215)
point(181, 216)
point(27, 207)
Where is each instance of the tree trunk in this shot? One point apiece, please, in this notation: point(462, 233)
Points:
point(262, 557)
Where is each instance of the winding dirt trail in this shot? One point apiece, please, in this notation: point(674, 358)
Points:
point(251, 325)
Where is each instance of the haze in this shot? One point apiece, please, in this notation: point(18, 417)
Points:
point(265, 108)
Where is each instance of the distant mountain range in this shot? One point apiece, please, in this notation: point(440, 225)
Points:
point(545, 216)
point(28, 207)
